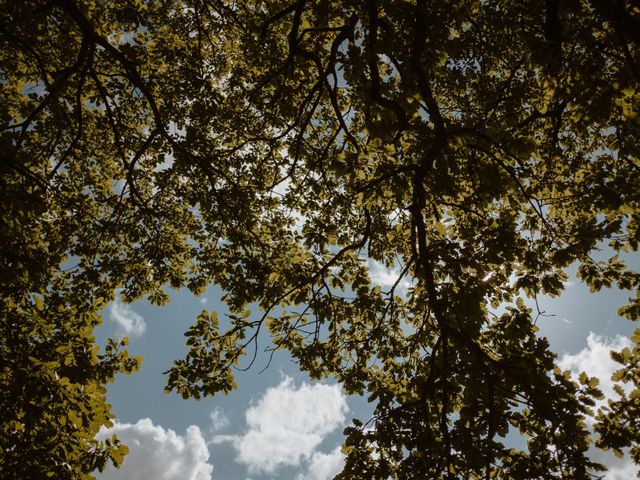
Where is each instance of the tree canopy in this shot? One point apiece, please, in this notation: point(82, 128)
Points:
point(276, 149)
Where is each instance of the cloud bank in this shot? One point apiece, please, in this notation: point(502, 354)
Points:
point(156, 453)
point(286, 426)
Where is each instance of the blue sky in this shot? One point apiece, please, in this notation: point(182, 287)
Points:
point(279, 424)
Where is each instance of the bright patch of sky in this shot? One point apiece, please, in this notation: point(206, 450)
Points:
point(387, 278)
point(128, 322)
point(219, 420)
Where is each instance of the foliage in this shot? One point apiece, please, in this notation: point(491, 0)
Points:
point(277, 149)
point(62, 252)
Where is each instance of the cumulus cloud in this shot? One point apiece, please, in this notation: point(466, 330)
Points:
point(158, 453)
point(386, 277)
point(287, 424)
point(324, 466)
point(596, 361)
point(129, 322)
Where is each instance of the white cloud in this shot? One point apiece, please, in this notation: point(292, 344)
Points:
point(129, 322)
point(596, 361)
point(617, 468)
point(158, 453)
point(287, 424)
point(324, 466)
point(219, 420)
point(386, 277)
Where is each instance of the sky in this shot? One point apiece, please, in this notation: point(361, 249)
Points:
point(279, 424)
